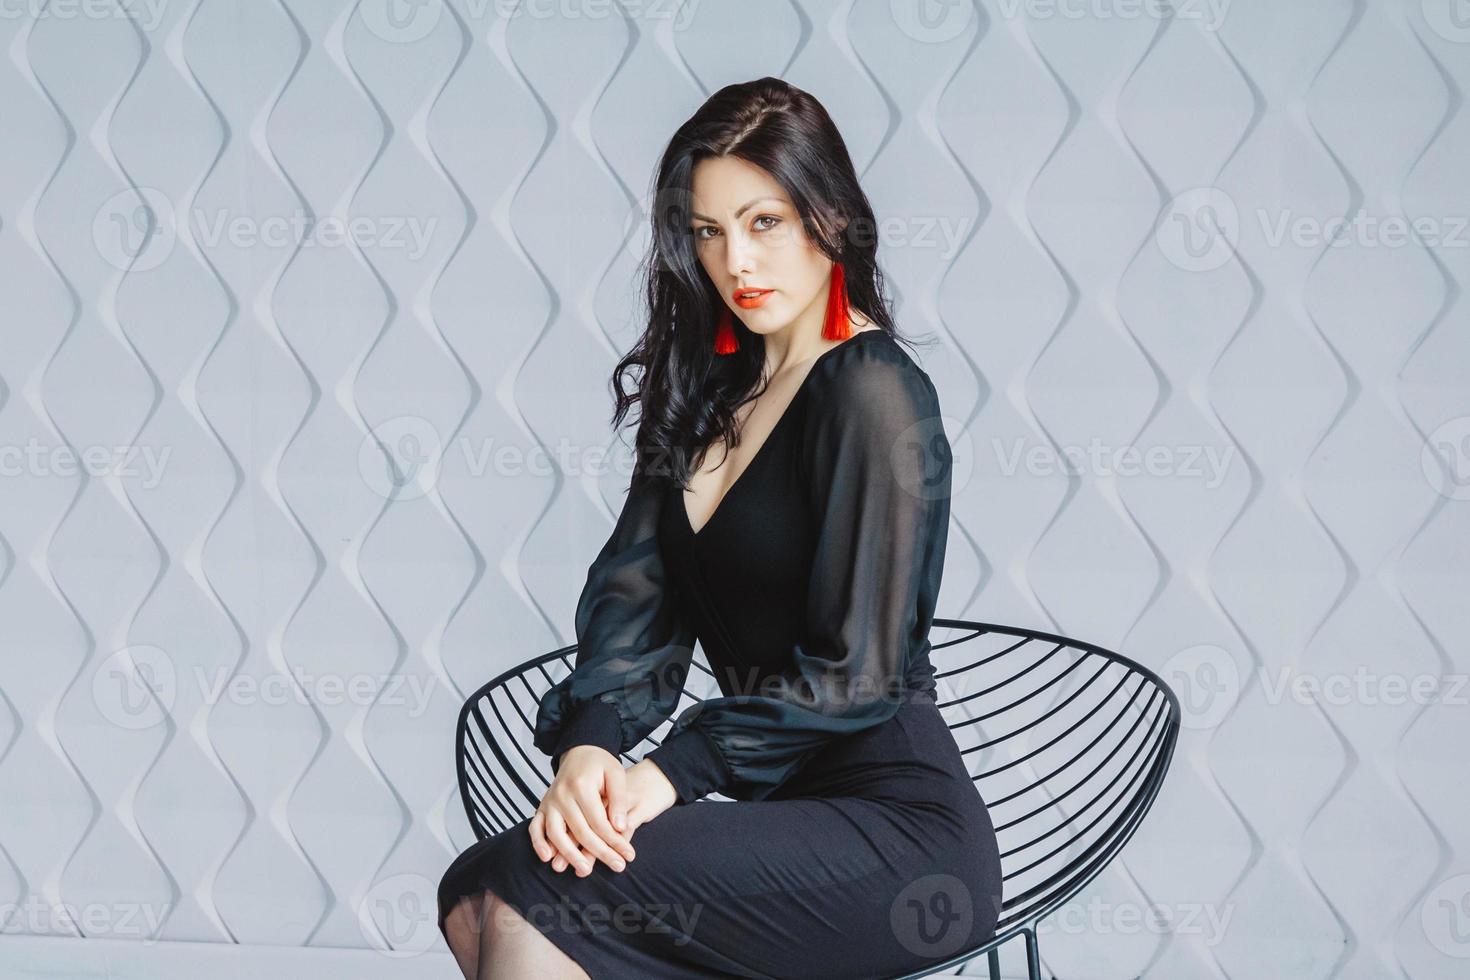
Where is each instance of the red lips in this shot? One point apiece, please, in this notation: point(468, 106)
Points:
point(750, 298)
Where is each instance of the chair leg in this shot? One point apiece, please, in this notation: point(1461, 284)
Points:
point(995, 964)
point(1033, 956)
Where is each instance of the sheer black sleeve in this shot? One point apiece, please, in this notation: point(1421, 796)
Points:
point(877, 472)
point(634, 641)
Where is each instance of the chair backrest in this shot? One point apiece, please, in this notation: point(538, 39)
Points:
point(1067, 743)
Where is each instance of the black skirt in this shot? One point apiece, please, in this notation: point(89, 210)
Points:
point(877, 858)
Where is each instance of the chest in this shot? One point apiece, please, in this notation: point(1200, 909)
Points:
point(746, 570)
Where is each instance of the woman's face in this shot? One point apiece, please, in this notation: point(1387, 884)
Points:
point(748, 235)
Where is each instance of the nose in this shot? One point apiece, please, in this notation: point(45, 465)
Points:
point(738, 253)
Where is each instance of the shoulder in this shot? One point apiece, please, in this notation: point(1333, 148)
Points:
point(870, 377)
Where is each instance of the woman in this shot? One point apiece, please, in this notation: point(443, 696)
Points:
point(805, 556)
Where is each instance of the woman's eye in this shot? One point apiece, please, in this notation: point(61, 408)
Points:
point(699, 232)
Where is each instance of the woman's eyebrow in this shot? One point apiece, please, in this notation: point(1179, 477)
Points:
point(743, 208)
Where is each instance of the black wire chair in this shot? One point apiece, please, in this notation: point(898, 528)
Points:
point(1068, 744)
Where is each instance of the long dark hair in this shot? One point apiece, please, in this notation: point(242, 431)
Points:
point(688, 394)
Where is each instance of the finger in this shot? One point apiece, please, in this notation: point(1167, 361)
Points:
point(537, 829)
point(596, 813)
point(635, 820)
point(561, 863)
point(618, 801)
point(556, 832)
point(561, 838)
point(563, 860)
point(590, 840)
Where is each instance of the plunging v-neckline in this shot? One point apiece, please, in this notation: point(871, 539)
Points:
point(755, 457)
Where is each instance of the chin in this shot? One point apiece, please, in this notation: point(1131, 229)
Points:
point(764, 321)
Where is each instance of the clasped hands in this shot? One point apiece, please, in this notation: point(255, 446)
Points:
point(592, 808)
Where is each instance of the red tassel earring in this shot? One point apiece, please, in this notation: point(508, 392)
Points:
point(725, 342)
point(837, 325)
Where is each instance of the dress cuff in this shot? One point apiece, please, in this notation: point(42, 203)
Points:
point(591, 723)
point(692, 762)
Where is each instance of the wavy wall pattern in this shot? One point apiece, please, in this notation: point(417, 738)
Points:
point(312, 307)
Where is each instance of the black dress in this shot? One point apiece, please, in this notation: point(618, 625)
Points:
point(858, 846)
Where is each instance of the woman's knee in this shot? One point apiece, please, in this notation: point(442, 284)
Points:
point(463, 924)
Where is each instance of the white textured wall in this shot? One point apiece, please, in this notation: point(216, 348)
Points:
point(195, 400)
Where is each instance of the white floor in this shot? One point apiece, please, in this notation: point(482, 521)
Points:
point(60, 958)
